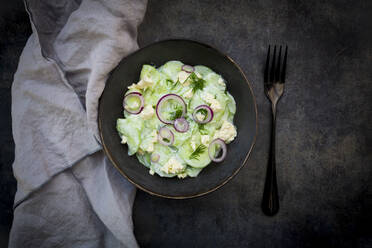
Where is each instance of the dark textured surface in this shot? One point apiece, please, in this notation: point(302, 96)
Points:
point(14, 31)
point(324, 136)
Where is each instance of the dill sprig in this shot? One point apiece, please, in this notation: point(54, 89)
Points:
point(202, 129)
point(203, 112)
point(173, 148)
point(169, 82)
point(199, 150)
point(175, 84)
point(196, 82)
point(176, 114)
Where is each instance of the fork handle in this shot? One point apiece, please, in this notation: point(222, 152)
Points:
point(270, 200)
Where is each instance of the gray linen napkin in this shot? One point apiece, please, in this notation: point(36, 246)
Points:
point(68, 194)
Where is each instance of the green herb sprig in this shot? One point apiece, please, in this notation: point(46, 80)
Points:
point(203, 112)
point(196, 83)
point(176, 114)
point(198, 151)
point(202, 129)
point(169, 82)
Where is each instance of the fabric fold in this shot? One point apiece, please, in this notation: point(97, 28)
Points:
point(61, 75)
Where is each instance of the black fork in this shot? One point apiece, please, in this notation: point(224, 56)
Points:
point(274, 79)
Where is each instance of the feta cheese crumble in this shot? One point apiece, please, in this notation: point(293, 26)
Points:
point(182, 175)
point(226, 133)
point(147, 112)
point(188, 94)
point(200, 116)
point(173, 166)
point(154, 139)
point(205, 139)
point(183, 76)
point(123, 140)
point(214, 104)
point(221, 82)
point(193, 142)
point(142, 84)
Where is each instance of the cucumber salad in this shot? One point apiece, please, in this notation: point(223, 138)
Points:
point(177, 119)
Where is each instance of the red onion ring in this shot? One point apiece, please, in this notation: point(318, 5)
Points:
point(155, 157)
point(181, 125)
point(223, 147)
point(163, 100)
point(137, 95)
point(209, 114)
point(165, 133)
point(188, 68)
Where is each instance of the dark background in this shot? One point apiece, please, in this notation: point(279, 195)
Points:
point(324, 132)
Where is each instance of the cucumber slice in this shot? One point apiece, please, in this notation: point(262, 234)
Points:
point(181, 138)
point(150, 72)
point(157, 169)
point(201, 161)
point(164, 152)
point(144, 159)
point(231, 105)
point(209, 128)
point(148, 138)
point(131, 128)
point(193, 172)
point(202, 70)
point(195, 101)
point(171, 69)
point(213, 80)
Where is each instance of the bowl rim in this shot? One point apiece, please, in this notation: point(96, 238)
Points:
point(112, 160)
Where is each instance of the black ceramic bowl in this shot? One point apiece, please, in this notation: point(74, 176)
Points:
point(193, 53)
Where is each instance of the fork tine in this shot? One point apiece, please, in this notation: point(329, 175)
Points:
point(277, 69)
point(282, 80)
point(266, 73)
point(272, 72)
